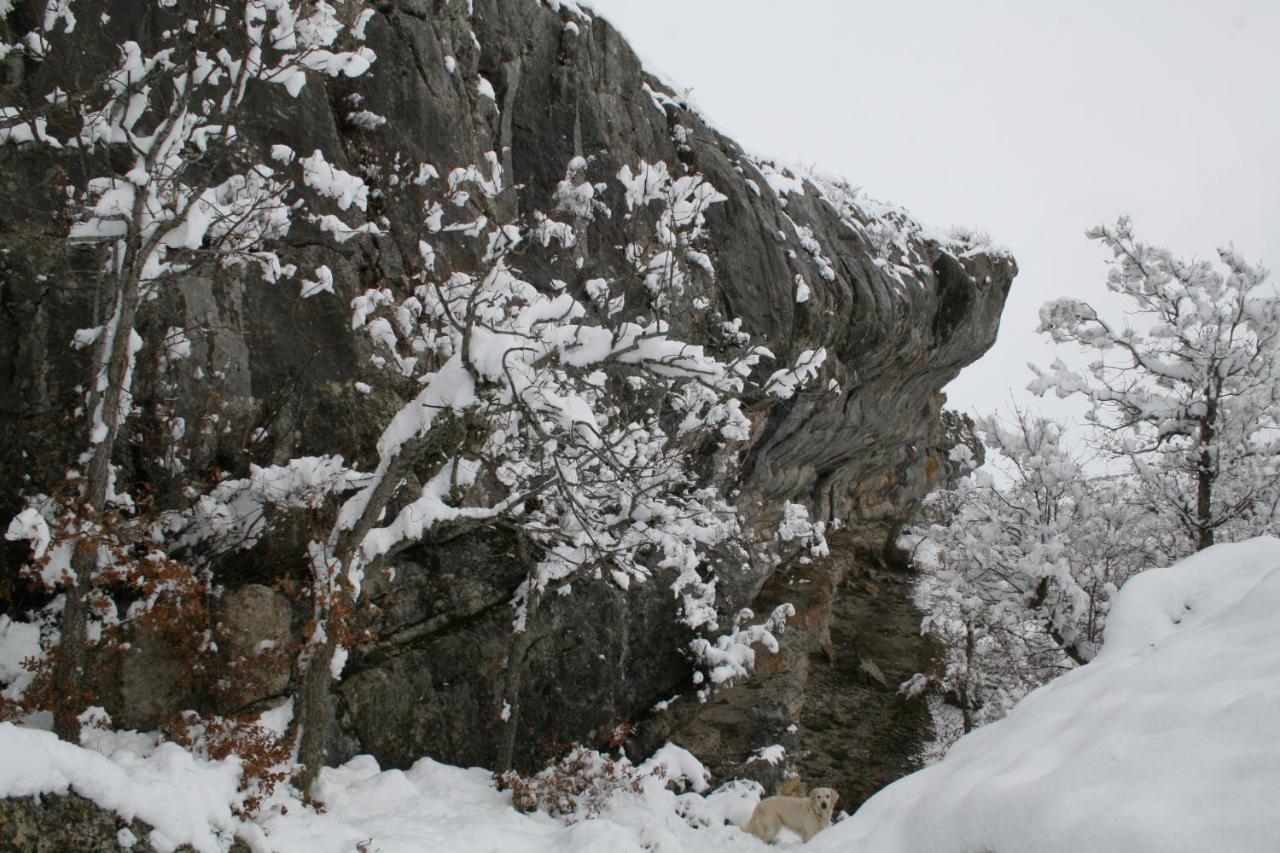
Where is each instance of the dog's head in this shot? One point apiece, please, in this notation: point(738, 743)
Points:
point(823, 801)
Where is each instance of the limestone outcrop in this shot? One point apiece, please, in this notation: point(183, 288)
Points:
point(805, 261)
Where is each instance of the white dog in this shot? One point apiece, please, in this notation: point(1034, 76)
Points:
point(806, 816)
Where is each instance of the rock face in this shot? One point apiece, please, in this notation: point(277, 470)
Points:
point(898, 311)
point(50, 824)
point(255, 636)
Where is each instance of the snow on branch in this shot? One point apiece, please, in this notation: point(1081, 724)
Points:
point(732, 656)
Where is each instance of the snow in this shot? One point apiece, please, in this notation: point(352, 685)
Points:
point(784, 383)
point(568, 7)
point(343, 187)
point(176, 344)
point(429, 807)
point(780, 179)
point(350, 64)
point(341, 231)
point(358, 31)
point(234, 511)
point(54, 563)
point(774, 753)
point(733, 656)
point(678, 763)
point(430, 508)
point(323, 283)
point(814, 248)
point(1168, 741)
point(186, 799)
point(433, 807)
point(30, 526)
point(56, 9)
point(338, 662)
point(366, 120)
point(28, 131)
point(18, 641)
point(802, 289)
point(795, 526)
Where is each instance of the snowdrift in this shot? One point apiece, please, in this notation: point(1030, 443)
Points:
point(429, 808)
point(1168, 741)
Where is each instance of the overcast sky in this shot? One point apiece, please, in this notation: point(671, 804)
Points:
point(1028, 120)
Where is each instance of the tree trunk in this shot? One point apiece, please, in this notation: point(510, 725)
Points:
point(1205, 475)
point(313, 711)
point(1078, 654)
point(520, 645)
point(967, 703)
point(112, 359)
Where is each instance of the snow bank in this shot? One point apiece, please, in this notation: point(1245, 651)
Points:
point(428, 808)
point(1168, 741)
point(435, 807)
point(187, 800)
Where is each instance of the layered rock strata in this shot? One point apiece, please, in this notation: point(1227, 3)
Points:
point(805, 261)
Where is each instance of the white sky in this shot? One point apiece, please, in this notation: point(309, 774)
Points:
point(1028, 120)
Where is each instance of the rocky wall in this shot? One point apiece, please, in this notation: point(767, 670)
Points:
point(899, 310)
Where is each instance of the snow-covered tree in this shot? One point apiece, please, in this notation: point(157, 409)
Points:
point(1017, 572)
point(158, 182)
point(1185, 387)
point(516, 420)
point(563, 408)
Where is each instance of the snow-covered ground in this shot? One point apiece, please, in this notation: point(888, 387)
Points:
point(429, 808)
point(1169, 741)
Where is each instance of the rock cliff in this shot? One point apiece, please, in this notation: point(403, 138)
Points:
point(899, 311)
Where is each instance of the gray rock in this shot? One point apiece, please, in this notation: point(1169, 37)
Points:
point(430, 677)
point(52, 824)
point(255, 639)
point(155, 681)
point(58, 824)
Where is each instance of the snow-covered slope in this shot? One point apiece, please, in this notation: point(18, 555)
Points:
point(1168, 741)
